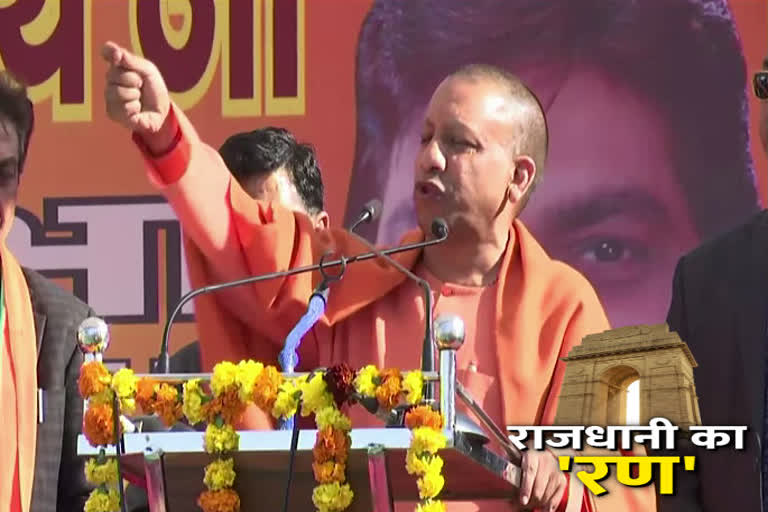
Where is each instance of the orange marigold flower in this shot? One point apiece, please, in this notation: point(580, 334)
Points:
point(167, 404)
point(266, 386)
point(98, 425)
point(94, 378)
point(145, 394)
point(329, 472)
point(331, 444)
point(423, 416)
point(224, 500)
point(227, 404)
point(388, 392)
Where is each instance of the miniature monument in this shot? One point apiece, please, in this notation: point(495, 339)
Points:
point(598, 372)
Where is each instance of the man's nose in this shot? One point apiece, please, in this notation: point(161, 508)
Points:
point(431, 157)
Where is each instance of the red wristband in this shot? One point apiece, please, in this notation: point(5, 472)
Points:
point(171, 163)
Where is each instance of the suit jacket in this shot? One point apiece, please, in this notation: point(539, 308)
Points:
point(59, 483)
point(720, 308)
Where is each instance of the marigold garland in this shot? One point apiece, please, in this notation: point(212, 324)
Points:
point(101, 472)
point(222, 403)
point(331, 452)
point(222, 410)
point(387, 386)
point(422, 459)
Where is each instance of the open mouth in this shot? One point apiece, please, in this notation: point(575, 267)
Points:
point(428, 189)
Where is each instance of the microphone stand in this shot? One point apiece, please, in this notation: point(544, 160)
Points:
point(163, 360)
point(427, 349)
point(289, 356)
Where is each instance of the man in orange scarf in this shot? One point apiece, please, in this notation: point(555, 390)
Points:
point(483, 146)
point(39, 357)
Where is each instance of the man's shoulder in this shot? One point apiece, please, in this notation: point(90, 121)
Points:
point(560, 281)
point(731, 245)
point(571, 285)
point(50, 298)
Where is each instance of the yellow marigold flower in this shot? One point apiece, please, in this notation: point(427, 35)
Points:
point(332, 417)
point(431, 506)
point(247, 373)
point(220, 474)
point(192, 406)
point(413, 386)
point(124, 382)
point(364, 382)
point(287, 400)
point(124, 385)
point(332, 497)
point(421, 464)
point(430, 485)
point(127, 406)
point(221, 439)
point(427, 440)
point(99, 474)
point(224, 375)
point(315, 395)
point(100, 501)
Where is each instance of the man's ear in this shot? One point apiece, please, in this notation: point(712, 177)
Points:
point(322, 221)
point(521, 178)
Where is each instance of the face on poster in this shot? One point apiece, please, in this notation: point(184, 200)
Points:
point(649, 115)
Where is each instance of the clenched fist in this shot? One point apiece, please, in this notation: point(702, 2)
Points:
point(135, 92)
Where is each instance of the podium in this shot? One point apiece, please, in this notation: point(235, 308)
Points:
point(170, 465)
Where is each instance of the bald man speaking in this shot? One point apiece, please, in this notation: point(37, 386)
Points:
point(483, 147)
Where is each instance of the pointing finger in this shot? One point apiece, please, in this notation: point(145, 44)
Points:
point(111, 53)
point(118, 56)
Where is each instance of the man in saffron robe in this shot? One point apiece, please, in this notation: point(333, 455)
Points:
point(483, 146)
point(39, 356)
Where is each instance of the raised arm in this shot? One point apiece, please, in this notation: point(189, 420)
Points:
point(235, 235)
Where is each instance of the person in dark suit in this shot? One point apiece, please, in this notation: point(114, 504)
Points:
point(720, 308)
point(59, 482)
point(40, 359)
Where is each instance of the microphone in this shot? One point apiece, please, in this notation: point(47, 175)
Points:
point(370, 212)
point(163, 364)
point(439, 230)
point(289, 357)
